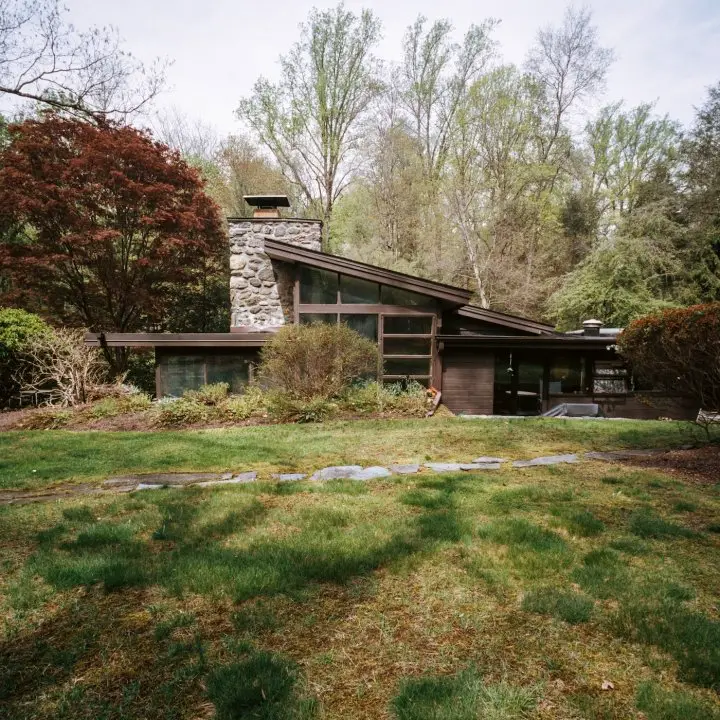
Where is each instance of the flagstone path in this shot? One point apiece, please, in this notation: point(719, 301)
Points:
point(158, 481)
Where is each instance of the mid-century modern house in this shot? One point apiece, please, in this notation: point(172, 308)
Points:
point(483, 362)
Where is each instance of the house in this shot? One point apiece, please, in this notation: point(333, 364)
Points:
point(483, 362)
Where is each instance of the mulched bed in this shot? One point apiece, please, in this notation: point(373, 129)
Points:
point(698, 465)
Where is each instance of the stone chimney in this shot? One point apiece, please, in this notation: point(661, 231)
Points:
point(261, 289)
point(591, 328)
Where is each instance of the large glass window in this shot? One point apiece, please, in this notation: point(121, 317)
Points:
point(366, 325)
point(567, 375)
point(318, 287)
point(231, 370)
point(181, 373)
point(310, 318)
point(407, 324)
point(391, 295)
point(407, 366)
point(355, 291)
point(407, 346)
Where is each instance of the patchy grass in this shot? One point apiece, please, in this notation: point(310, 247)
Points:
point(457, 596)
point(35, 459)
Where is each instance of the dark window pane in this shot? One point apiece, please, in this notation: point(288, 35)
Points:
point(233, 370)
point(357, 291)
point(397, 296)
point(407, 366)
point(366, 325)
point(181, 373)
point(610, 378)
point(567, 374)
point(406, 346)
point(503, 403)
point(407, 324)
point(309, 318)
point(318, 286)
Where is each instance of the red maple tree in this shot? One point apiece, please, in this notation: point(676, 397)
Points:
point(112, 222)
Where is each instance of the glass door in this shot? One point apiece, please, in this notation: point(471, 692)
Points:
point(529, 388)
point(518, 386)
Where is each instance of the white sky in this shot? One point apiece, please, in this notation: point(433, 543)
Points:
point(667, 50)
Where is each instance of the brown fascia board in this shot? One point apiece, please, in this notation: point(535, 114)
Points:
point(511, 321)
point(554, 342)
point(278, 250)
point(178, 339)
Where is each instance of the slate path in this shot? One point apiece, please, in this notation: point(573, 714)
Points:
point(158, 481)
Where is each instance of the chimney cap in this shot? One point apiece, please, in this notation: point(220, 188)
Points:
point(267, 201)
point(592, 323)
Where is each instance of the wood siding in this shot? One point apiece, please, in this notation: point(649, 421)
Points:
point(467, 381)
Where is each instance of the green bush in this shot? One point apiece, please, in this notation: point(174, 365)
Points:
point(374, 397)
point(183, 412)
point(316, 361)
point(286, 408)
point(17, 329)
point(212, 394)
point(252, 403)
point(114, 406)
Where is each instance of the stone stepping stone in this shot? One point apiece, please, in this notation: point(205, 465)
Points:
point(371, 473)
point(149, 486)
point(165, 479)
point(404, 469)
point(440, 467)
point(548, 460)
point(485, 459)
point(337, 472)
point(289, 477)
point(239, 479)
point(475, 465)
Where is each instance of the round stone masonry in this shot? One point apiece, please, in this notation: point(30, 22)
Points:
point(255, 277)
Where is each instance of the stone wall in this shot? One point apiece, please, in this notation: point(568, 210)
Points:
point(261, 290)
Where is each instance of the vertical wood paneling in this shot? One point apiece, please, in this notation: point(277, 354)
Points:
point(468, 377)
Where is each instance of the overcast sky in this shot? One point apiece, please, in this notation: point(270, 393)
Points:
point(667, 50)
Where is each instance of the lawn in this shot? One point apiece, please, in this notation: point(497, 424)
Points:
point(505, 595)
point(35, 459)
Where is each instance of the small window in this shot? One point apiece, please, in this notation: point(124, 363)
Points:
point(406, 346)
point(609, 378)
point(391, 295)
point(366, 325)
point(407, 324)
point(407, 366)
point(355, 291)
point(310, 318)
point(318, 287)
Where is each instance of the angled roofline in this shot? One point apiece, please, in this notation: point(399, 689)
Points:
point(278, 250)
point(511, 321)
point(543, 342)
point(232, 340)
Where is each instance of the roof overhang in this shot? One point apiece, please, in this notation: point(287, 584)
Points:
point(231, 340)
point(505, 320)
point(278, 250)
point(549, 342)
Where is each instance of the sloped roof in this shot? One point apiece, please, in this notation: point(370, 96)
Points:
point(512, 321)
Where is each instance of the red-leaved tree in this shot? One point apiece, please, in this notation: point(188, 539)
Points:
point(678, 351)
point(103, 226)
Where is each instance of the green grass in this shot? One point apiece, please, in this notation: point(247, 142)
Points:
point(34, 459)
point(571, 607)
point(500, 595)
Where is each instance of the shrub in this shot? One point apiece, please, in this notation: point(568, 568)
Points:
point(183, 412)
point(113, 406)
point(212, 394)
point(17, 329)
point(286, 408)
point(316, 361)
point(372, 396)
point(678, 351)
point(47, 419)
point(252, 403)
